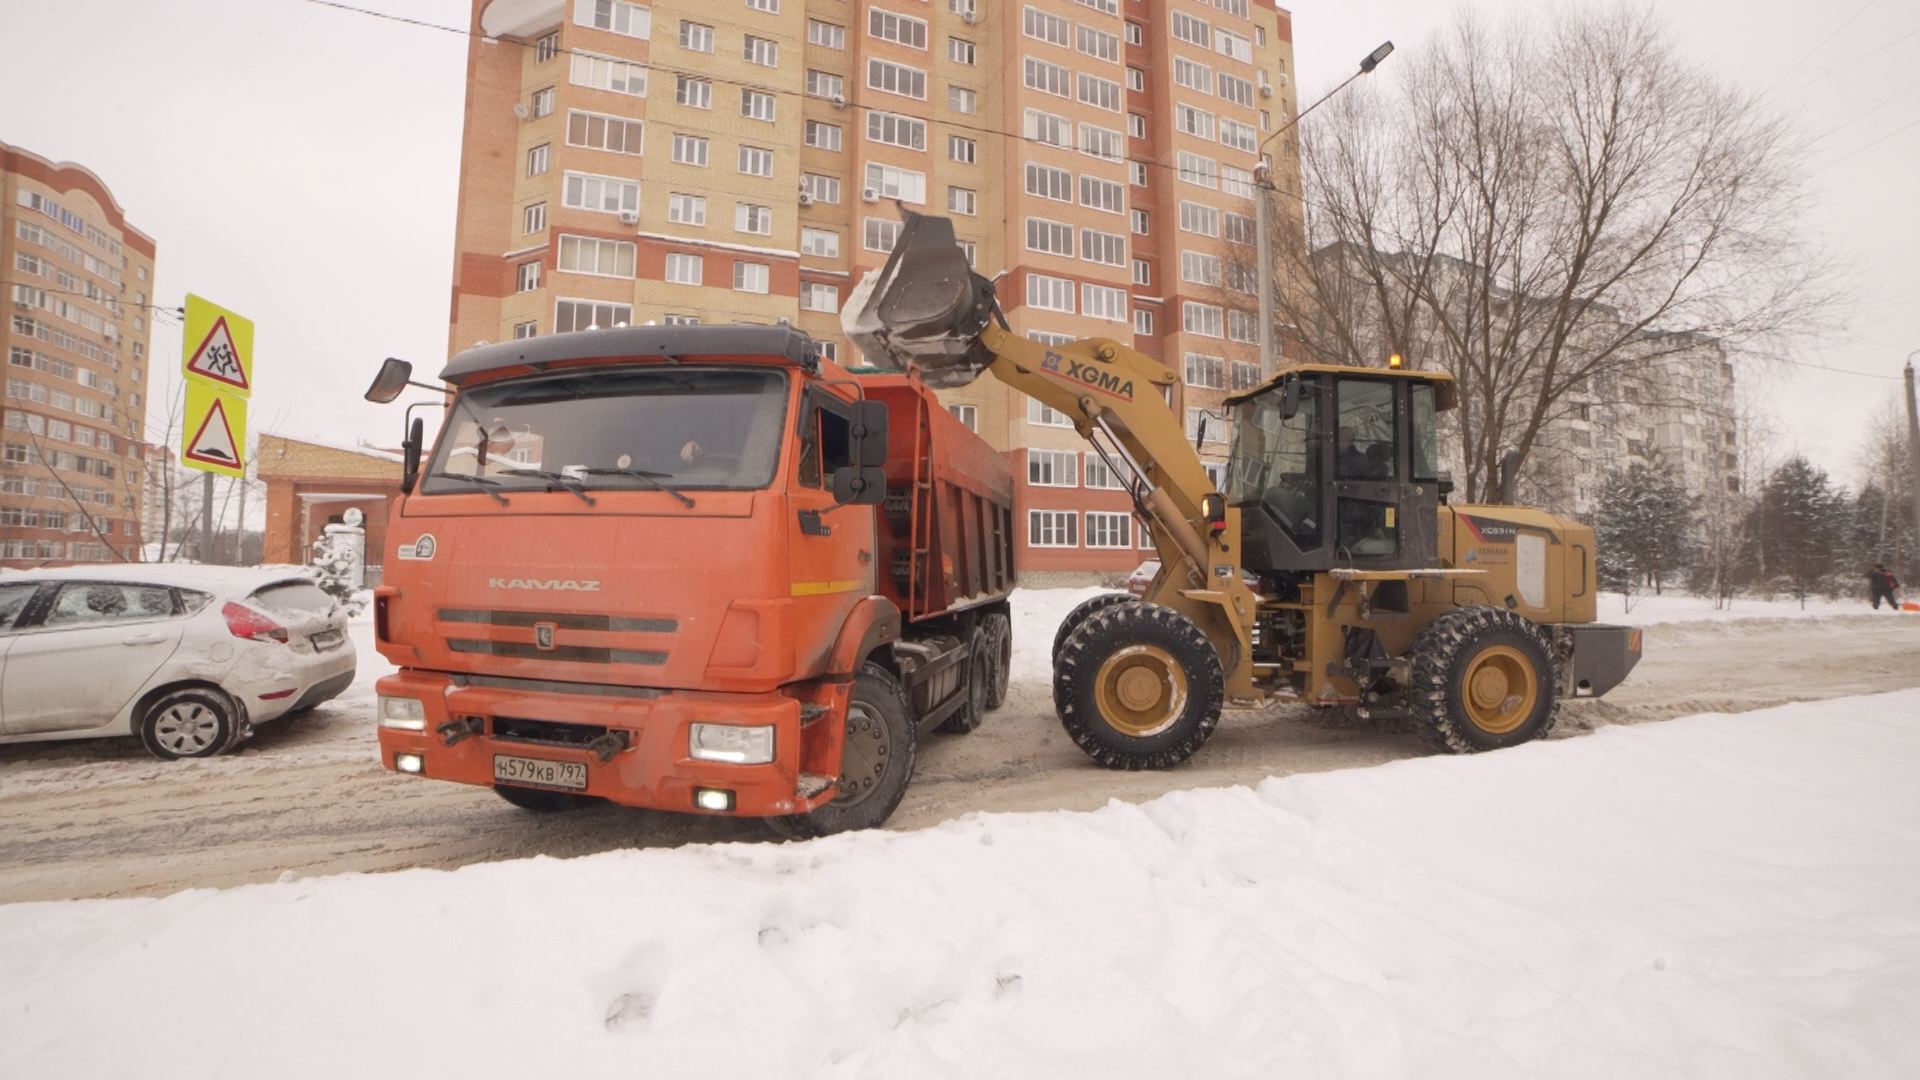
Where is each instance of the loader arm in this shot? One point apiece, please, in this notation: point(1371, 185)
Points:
point(927, 310)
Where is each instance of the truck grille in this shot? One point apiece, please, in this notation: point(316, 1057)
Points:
point(561, 620)
point(579, 654)
point(545, 732)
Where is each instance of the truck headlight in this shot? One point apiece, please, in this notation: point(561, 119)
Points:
point(404, 713)
point(731, 743)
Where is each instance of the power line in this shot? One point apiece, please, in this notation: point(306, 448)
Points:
point(86, 295)
point(1804, 57)
point(1861, 150)
point(1857, 117)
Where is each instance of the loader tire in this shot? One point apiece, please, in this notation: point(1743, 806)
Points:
point(1138, 686)
point(979, 686)
point(1000, 639)
point(1080, 613)
point(879, 746)
point(1483, 678)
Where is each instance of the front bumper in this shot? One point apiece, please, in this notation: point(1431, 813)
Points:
point(652, 770)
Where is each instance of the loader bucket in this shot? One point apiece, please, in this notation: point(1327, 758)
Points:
point(924, 309)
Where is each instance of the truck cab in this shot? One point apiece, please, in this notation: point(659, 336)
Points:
point(650, 565)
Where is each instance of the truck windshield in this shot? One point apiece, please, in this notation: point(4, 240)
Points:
point(689, 428)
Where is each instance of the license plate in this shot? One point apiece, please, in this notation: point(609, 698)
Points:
point(571, 775)
point(326, 639)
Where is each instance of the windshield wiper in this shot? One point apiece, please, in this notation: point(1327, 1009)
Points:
point(487, 484)
point(651, 479)
point(556, 482)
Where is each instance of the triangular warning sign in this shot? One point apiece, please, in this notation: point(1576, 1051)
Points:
point(218, 359)
point(213, 444)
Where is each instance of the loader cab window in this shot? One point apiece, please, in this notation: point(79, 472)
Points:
point(1274, 461)
point(1425, 435)
point(1364, 446)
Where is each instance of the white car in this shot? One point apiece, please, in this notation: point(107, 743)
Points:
point(188, 658)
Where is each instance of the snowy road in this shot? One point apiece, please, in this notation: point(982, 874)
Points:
point(100, 819)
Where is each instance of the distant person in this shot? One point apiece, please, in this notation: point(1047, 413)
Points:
point(1880, 585)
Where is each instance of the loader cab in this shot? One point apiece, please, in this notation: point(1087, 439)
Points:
point(1338, 467)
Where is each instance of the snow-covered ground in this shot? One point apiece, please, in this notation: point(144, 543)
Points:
point(1716, 896)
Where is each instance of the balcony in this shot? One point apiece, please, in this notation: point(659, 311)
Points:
point(519, 18)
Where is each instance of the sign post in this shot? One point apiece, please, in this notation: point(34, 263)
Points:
point(216, 359)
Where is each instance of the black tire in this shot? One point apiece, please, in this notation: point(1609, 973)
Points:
point(193, 722)
point(1080, 614)
point(1182, 671)
point(541, 801)
point(979, 685)
point(1454, 648)
point(877, 699)
point(1000, 639)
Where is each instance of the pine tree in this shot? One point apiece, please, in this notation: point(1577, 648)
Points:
point(1644, 527)
point(1802, 526)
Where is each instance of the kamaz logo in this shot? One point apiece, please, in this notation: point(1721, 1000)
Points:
point(1104, 381)
point(543, 584)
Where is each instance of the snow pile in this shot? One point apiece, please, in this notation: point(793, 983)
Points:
point(1716, 896)
point(1650, 610)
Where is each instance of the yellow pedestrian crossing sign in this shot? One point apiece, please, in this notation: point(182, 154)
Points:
point(214, 438)
point(217, 347)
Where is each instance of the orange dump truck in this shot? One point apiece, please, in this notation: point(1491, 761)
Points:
point(690, 568)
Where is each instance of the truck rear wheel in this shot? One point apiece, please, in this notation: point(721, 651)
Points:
point(1138, 686)
point(1000, 642)
point(979, 685)
point(875, 763)
point(1080, 614)
point(1483, 679)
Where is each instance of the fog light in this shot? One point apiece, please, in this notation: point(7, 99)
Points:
point(410, 763)
point(404, 713)
point(730, 743)
point(707, 798)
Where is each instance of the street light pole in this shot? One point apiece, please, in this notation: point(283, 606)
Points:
point(1913, 478)
point(1263, 214)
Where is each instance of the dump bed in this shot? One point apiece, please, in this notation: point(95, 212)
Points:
point(946, 531)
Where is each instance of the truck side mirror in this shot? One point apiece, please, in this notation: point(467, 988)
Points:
point(856, 485)
point(394, 376)
point(410, 449)
point(869, 434)
point(1290, 399)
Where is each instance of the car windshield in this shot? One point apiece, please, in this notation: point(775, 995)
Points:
point(690, 428)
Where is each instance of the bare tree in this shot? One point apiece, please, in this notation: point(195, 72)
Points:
point(1534, 208)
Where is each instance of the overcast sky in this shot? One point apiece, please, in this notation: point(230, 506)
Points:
point(298, 164)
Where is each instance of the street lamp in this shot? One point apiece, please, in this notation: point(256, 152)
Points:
point(1263, 179)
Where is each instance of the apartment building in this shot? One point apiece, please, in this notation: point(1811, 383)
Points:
point(78, 277)
point(740, 160)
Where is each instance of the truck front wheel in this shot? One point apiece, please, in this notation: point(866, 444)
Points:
point(876, 761)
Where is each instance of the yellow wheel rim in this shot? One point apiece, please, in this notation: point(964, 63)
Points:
point(1142, 690)
point(1499, 689)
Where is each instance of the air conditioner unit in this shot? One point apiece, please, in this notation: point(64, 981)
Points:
point(806, 199)
point(629, 217)
point(1265, 90)
point(869, 194)
point(839, 101)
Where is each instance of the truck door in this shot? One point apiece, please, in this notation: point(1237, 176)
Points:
point(831, 546)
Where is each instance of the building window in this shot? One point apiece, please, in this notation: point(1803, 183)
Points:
point(1105, 248)
point(1050, 237)
point(1103, 302)
point(618, 16)
point(1042, 26)
point(1049, 183)
point(827, 350)
point(1136, 33)
point(524, 330)
point(1238, 228)
point(543, 102)
point(756, 161)
point(1243, 326)
point(1042, 415)
point(1207, 320)
point(1140, 222)
point(1098, 476)
point(693, 93)
point(1096, 43)
point(962, 149)
point(680, 320)
point(1216, 426)
point(968, 415)
point(905, 30)
point(529, 276)
point(822, 136)
point(537, 160)
point(1191, 30)
point(1137, 173)
point(687, 209)
point(1046, 78)
point(889, 182)
point(826, 85)
point(547, 47)
point(824, 243)
point(880, 234)
point(1052, 468)
point(607, 73)
point(1099, 93)
point(590, 255)
point(1136, 80)
point(1052, 528)
point(1047, 293)
point(1103, 195)
point(1245, 376)
point(1206, 371)
point(826, 35)
point(595, 131)
point(756, 105)
point(686, 269)
point(749, 218)
point(750, 277)
point(533, 219)
point(1198, 170)
point(899, 79)
point(822, 189)
point(1199, 219)
point(962, 100)
point(1235, 89)
point(1142, 272)
point(1136, 126)
point(960, 51)
point(696, 36)
point(1191, 75)
point(771, 7)
point(1200, 268)
point(893, 129)
point(818, 297)
point(963, 201)
point(1109, 530)
point(599, 194)
point(762, 51)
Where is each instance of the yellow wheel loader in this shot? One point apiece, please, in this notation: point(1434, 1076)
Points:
point(1373, 594)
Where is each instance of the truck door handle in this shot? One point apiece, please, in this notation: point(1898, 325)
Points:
point(143, 639)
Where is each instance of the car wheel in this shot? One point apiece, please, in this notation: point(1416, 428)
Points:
point(191, 723)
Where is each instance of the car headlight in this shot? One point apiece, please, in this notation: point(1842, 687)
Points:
point(731, 743)
point(404, 713)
